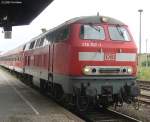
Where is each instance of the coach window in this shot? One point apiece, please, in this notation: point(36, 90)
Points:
point(24, 47)
point(64, 33)
point(37, 42)
point(27, 46)
point(92, 32)
point(61, 34)
point(32, 45)
point(45, 41)
point(41, 42)
point(118, 33)
point(49, 37)
point(56, 36)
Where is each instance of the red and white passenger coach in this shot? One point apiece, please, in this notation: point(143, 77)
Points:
point(84, 60)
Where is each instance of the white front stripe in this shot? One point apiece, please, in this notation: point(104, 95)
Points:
point(97, 56)
point(91, 56)
point(125, 56)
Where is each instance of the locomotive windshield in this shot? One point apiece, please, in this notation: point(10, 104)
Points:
point(92, 32)
point(118, 33)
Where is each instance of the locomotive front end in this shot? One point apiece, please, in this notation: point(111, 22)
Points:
point(103, 61)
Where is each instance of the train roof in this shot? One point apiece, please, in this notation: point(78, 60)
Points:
point(13, 51)
point(90, 20)
point(84, 20)
point(95, 20)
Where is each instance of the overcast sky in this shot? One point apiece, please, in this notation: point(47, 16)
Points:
point(61, 10)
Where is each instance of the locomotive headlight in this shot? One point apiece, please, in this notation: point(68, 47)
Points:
point(86, 70)
point(129, 70)
point(104, 19)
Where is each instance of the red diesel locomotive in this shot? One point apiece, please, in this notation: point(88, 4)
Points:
point(84, 60)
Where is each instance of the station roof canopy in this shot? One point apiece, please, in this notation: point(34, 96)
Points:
point(20, 12)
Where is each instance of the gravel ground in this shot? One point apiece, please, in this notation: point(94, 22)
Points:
point(142, 114)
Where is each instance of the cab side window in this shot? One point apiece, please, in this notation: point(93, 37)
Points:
point(61, 34)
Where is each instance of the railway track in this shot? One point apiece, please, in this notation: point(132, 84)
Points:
point(145, 88)
point(144, 84)
point(145, 99)
point(106, 115)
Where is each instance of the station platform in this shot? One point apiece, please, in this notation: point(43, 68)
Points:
point(20, 103)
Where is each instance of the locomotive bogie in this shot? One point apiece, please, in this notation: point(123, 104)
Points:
point(97, 84)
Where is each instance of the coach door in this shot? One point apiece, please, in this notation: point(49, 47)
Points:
point(49, 37)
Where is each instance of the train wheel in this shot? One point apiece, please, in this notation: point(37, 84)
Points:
point(43, 86)
point(82, 102)
point(70, 101)
point(58, 93)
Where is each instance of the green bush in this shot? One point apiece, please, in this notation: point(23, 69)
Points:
point(144, 63)
point(144, 73)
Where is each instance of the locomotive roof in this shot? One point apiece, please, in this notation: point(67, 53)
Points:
point(94, 20)
point(89, 20)
point(84, 20)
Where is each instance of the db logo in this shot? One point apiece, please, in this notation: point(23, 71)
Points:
point(109, 56)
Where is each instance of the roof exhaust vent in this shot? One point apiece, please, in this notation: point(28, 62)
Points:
point(43, 30)
point(98, 14)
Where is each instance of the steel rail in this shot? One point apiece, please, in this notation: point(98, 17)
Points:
point(106, 115)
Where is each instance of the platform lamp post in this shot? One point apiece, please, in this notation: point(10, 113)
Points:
point(140, 11)
point(146, 54)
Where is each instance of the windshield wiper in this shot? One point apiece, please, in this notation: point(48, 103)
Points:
point(94, 27)
point(119, 31)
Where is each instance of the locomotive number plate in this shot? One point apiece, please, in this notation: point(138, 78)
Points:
point(110, 56)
